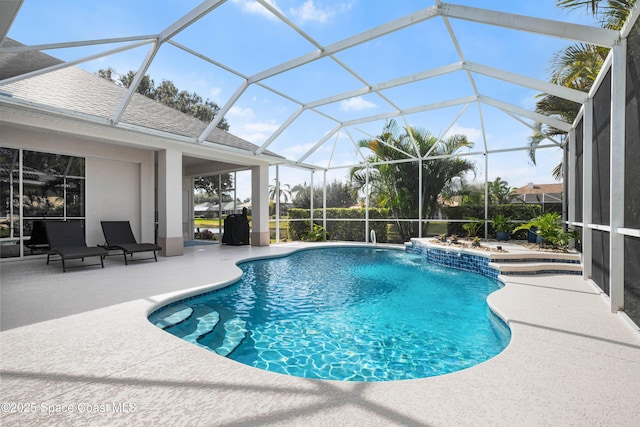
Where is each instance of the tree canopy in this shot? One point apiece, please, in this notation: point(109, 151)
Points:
point(210, 185)
point(168, 94)
point(339, 195)
point(283, 192)
point(500, 193)
point(396, 184)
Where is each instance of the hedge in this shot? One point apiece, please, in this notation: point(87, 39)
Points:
point(340, 230)
point(355, 230)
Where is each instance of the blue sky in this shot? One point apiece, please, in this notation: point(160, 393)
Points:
point(247, 38)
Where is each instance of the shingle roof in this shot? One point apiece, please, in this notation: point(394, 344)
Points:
point(540, 189)
point(77, 90)
point(13, 64)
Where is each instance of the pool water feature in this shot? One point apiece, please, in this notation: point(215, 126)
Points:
point(356, 314)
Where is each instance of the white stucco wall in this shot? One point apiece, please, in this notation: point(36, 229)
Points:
point(120, 182)
point(118, 201)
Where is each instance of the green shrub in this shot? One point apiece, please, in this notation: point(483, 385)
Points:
point(502, 223)
point(472, 228)
point(353, 231)
point(549, 228)
point(318, 234)
point(517, 212)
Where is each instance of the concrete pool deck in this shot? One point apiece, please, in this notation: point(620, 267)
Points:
point(77, 349)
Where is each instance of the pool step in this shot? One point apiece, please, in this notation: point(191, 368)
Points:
point(203, 321)
point(533, 267)
point(206, 319)
point(171, 316)
point(536, 263)
point(235, 332)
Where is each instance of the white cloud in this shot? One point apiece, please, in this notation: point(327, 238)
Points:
point(529, 102)
point(214, 93)
point(356, 104)
point(309, 12)
point(241, 113)
point(474, 135)
point(252, 6)
point(244, 125)
point(261, 127)
point(295, 151)
point(254, 132)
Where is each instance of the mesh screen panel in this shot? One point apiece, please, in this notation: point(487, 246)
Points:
point(632, 278)
point(601, 151)
point(578, 182)
point(600, 273)
point(632, 132)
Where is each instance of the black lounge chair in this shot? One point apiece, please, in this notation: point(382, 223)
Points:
point(38, 240)
point(118, 236)
point(67, 240)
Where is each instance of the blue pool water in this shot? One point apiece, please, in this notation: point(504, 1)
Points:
point(357, 314)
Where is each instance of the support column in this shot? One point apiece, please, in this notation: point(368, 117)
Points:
point(617, 159)
point(486, 195)
point(587, 189)
point(366, 207)
point(570, 186)
point(260, 205)
point(311, 207)
point(324, 200)
point(170, 202)
point(420, 201)
point(277, 206)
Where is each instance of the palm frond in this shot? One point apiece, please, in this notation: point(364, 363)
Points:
point(578, 4)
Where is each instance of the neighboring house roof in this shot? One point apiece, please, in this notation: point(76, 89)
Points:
point(536, 193)
point(74, 89)
point(204, 207)
point(227, 206)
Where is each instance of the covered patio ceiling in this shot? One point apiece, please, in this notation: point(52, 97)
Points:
point(440, 66)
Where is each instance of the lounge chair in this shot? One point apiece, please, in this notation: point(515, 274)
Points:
point(38, 240)
point(118, 236)
point(67, 240)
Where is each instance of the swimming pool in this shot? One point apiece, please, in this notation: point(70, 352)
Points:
point(345, 313)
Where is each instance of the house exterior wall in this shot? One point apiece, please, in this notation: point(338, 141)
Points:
point(260, 206)
point(120, 182)
point(187, 207)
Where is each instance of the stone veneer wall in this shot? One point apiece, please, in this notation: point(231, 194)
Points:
point(455, 258)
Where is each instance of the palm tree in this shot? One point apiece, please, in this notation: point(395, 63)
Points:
point(471, 194)
point(499, 192)
point(395, 183)
point(283, 193)
point(576, 67)
point(612, 13)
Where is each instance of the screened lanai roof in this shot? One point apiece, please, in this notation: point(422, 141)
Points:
point(307, 79)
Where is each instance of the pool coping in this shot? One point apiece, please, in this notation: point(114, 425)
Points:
point(568, 360)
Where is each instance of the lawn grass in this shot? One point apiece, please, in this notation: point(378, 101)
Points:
point(435, 229)
point(215, 223)
point(206, 222)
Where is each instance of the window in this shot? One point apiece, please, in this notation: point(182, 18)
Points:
point(36, 186)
